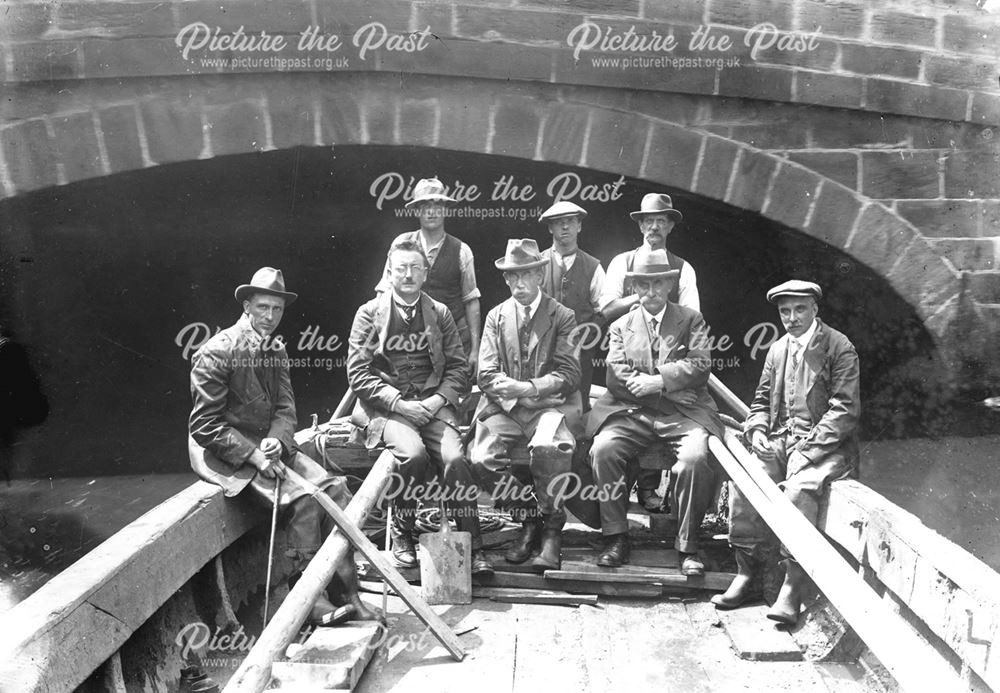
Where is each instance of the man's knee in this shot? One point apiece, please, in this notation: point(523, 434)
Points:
point(692, 458)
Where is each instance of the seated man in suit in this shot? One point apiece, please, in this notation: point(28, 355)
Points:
point(529, 375)
point(406, 364)
point(242, 426)
point(803, 429)
point(658, 368)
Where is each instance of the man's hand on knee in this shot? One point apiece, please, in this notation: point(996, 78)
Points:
point(762, 446)
point(414, 412)
point(269, 468)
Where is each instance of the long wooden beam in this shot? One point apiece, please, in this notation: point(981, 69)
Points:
point(254, 673)
point(53, 640)
point(910, 660)
point(387, 570)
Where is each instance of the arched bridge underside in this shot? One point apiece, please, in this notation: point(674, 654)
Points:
point(877, 140)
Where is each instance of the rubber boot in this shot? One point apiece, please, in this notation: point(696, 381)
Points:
point(347, 575)
point(786, 607)
point(526, 542)
point(322, 608)
point(738, 592)
point(549, 556)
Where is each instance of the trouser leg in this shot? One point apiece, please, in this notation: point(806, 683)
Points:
point(551, 446)
point(614, 450)
point(694, 487)
point(747, 530)
point(489, 456)
point(403, 440)
point(446, 452)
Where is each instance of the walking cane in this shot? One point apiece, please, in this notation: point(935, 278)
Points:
point(270, 548)
point(385, 583)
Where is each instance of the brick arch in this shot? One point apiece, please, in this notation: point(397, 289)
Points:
point(244, 116)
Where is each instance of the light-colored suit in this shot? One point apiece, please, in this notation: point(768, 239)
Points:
point(554, 369)
point(833, 399)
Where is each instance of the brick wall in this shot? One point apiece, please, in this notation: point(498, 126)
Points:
point(881, 140)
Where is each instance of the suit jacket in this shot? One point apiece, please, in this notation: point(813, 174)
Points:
point(684, 364)
point(241, 395)
point(554, 367)
point(833, 394)
point(371, 374)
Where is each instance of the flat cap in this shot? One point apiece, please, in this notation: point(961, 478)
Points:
point(562, 208)
point(795, 287)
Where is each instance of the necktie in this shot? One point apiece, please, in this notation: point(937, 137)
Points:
point(796, 353)
point(409, 312)
point(524, 334)
point(654, 340)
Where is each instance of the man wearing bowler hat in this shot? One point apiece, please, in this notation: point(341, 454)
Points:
point(802, 428)
point(451, 279)
point(656, 218)
point(659, 361)
point(575, 279)
point(529, 375)
point(242, 426)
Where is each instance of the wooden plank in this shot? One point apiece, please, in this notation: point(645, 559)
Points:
point(755, 638)
point(713, 581)
point(535, 581)
point(255, 671)
point(912, 663)
point(953, 593)
point(358, 539)
point(338, 656)
point(91, 608)
point(527, 596)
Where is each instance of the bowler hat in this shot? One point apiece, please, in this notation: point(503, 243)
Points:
point(795, 287)
point(266, 280)
point(522, 254)
point(652, 264)
point(656, 203)
point(562, 208)
point(428, 189)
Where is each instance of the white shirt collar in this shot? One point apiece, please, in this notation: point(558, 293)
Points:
point(532, 307)
point(399, 300)
point(804, 340)
point(659, 316)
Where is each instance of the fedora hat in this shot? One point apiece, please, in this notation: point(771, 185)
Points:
point(266, 280)
point(522, 254)
point(656, 203)
point(428, 189)
point(652, 264)
point(795, 287)
point(563, 208)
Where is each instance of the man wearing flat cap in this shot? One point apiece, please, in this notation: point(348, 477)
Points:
point(242, 426)
point(659, 361)
point(406, 365)
point(575, 279)
point(451, 279)
point(802, 428)
point(656, 218)
point(529, 375)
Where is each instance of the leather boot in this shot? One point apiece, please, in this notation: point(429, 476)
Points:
point(616, 551)
point(738, 592)
point(786, 607)
point(549, 556)
point(526, 542)
point(404, 553)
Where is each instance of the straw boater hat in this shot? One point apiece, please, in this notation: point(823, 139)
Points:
point(522, 254)
point(563, 208)
point(266, 280)
point(652, 265)
point(429, 189)
point(795, 287)
point(656, 203)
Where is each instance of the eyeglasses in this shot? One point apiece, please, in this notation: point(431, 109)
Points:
point(403, 270)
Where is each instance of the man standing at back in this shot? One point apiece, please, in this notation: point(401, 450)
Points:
point(575, 279)
point(451, 279)
point(656, 218)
